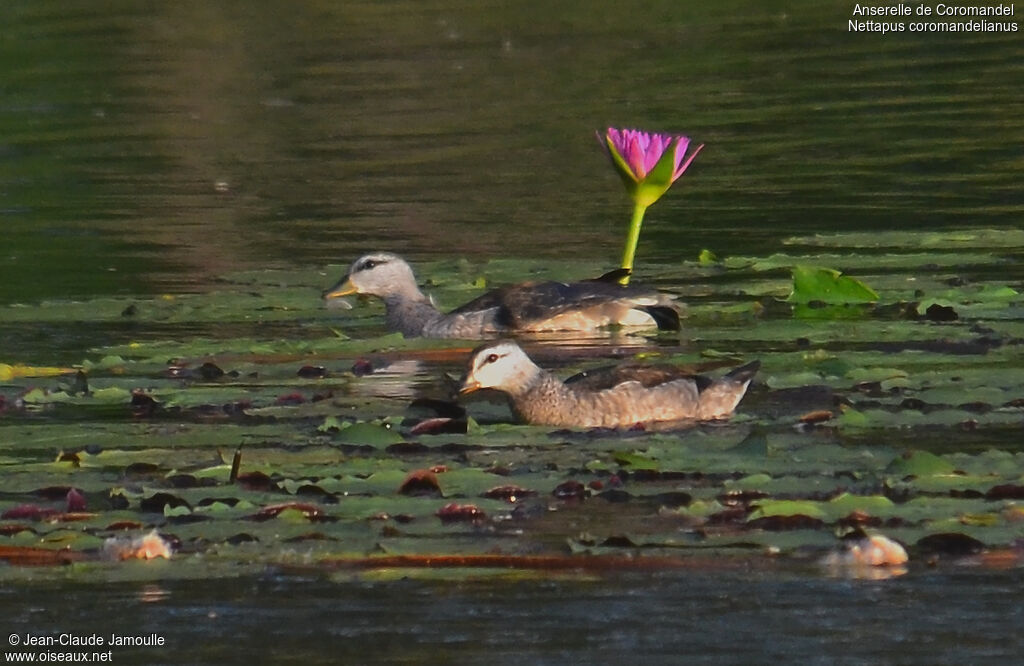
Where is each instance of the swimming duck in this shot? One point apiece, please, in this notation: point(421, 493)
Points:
point(544, 306)
point(613, 397)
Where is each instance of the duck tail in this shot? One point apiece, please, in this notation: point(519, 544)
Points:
point(744, 373)
point(719, 400)
point(612, 276)
point(666, 317)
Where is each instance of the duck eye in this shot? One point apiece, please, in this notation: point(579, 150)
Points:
point(491, 358)
point(369, 264)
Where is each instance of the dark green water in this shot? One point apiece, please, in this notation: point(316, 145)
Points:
point(664, 619)
point(150, 147)
point(153, 146)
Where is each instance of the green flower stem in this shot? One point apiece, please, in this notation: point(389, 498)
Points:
point(632, 239)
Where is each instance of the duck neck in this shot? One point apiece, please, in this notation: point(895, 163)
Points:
point(530, 379)
point(409, 311)
point(538, 395)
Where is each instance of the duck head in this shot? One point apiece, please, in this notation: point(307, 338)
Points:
point(498, 365)
point(380, 274)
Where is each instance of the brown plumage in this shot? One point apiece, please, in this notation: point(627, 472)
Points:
point(544, 306)
point(612, 397)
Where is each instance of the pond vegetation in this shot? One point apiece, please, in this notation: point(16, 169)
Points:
point(890, 400)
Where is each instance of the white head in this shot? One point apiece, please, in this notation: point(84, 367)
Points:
point(499, 365)
point(380, 274)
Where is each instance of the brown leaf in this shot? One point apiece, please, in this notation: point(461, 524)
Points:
point(37, 557)
point(510, 494)
point(295, 398)
point(817, 416)
point(451, 513)
point(421, 482)
point(570, 490)
point(1005, 491)
point(311, 511)
point(28, 512)
point(255, 481)
point(438, 425)
point(53, 492)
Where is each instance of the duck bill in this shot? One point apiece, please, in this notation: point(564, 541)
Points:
point(469, 386)
point(343, 288)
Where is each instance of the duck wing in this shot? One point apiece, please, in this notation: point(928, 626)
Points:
point(497, 298)
point(491, 300)
point(613, 276)
point(524, 305)
point(649, 376)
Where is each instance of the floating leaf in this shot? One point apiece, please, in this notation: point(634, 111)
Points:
point(368, 434)
point(9, 372)
point(707, 258)
point(919, 463)
point(635, 461)
point(828, 286)
point(780, 476)
point(769, 508)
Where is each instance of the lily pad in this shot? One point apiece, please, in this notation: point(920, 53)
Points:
point(828, 286)
point(315, 403)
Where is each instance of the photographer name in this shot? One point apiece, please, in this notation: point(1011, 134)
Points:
point(93, 640)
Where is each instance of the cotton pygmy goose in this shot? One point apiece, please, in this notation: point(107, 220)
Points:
point(542, 306)
point(612, 397)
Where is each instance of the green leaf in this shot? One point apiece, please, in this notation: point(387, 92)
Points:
point(919, 463)
point(767, 508)
point(707, 258)
point(875, 505)
point(635, 461)
point(852, 418)
point(331, 424)
point(369, 434)
point(756, 444)
point(176, 511)
point(828, 286)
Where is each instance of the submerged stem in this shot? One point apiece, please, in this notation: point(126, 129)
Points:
point(632, 239)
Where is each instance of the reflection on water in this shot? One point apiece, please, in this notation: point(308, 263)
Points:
point(157, 146)
point(152, 594)
point(399, 380)
point(941, 617)
point(154, 147)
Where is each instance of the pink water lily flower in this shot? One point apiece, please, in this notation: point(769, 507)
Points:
point(648, 163)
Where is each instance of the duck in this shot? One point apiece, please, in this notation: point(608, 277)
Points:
point(530, 306)
point(620, 396)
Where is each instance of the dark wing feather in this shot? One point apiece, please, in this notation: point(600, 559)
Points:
point(744, 373)
point(649, 376)
point(613, 276)
point(666, 317)
point(521, 304)
point(496, 300)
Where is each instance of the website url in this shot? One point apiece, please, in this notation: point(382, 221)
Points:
point(59, 657)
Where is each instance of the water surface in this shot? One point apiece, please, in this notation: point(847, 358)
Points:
point(153, 148)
